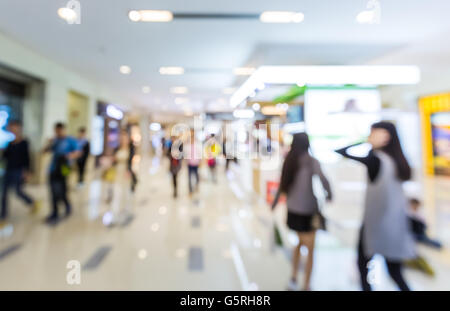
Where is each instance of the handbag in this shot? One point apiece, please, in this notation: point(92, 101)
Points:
point(62, 167)
point(211, 162)
point(110, 175)
point(277, 235)
point(319, 221)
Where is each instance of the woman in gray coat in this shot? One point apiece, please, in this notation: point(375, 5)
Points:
point(385, 229)
point(299, 168)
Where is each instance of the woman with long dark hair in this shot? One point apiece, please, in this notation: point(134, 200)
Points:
point(385, 228)
point(297, 174)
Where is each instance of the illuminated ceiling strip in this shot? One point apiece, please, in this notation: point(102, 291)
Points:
point(168, 16)
point(326, 75)
point(214, 16)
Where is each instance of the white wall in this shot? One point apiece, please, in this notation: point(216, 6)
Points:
point(58, 81)
point(432, 56)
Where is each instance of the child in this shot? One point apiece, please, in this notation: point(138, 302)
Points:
point(419, 227)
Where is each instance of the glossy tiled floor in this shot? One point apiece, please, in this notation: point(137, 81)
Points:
point(219, 240)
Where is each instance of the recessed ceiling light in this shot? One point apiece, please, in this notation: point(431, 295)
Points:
point(171, 70)
point(135, 16)
point(125, 70)
point(142, 254)
point(146, 89)
point(150, 16)
point(243, 71)
point(67, 14)
point(179, 90)
point(366, 17)
point(281, 17)
point(256, 106)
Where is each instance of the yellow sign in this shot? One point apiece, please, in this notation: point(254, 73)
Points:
point(434, 107)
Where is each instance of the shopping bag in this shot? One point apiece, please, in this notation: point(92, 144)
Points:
point(277, 235)
point(109, 175)
point(319, 221)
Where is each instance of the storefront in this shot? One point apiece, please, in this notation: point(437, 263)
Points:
point(335, 104)
point(435, 115)
point(12, 96)
point(22, 98)
point(77, 112)
point(106, 129)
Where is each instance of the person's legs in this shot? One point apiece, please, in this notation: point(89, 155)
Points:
point(18, 184)
point(213, 173)
point(362, 265)
point(65, 199)
point(5, 188)
point(296, 257)
point(190, 173)
point(308, 239)
point(134, 181)
point(424, 239)
point(197, 178)
point(395, 271)
point(81, 170)
point(174, 180)
point(55, 197)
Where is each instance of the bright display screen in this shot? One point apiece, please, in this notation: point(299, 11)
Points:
point(5, 136)
point(335, 118)
point(440, 126)
point(98, 134)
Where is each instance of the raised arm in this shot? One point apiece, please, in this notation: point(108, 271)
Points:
point(344, 153)
point(371, 161)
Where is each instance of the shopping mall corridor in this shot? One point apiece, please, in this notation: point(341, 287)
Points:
point(220, 239)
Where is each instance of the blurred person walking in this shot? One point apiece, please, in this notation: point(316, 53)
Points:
point(212, 150)
point(297, 174)
point(228, 153)
point(131, 156)
point(419, 225)
point(175, 155)
point(119, 178)
point(385, 229)
point(17, 170)
point(194, 158)
point(85, 149)
point(65, 150)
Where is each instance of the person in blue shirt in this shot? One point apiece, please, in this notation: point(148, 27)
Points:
point(65, 149)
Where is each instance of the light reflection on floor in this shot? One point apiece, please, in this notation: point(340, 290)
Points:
point(234, 234)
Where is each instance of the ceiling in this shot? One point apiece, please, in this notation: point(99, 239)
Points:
point(210, 49)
